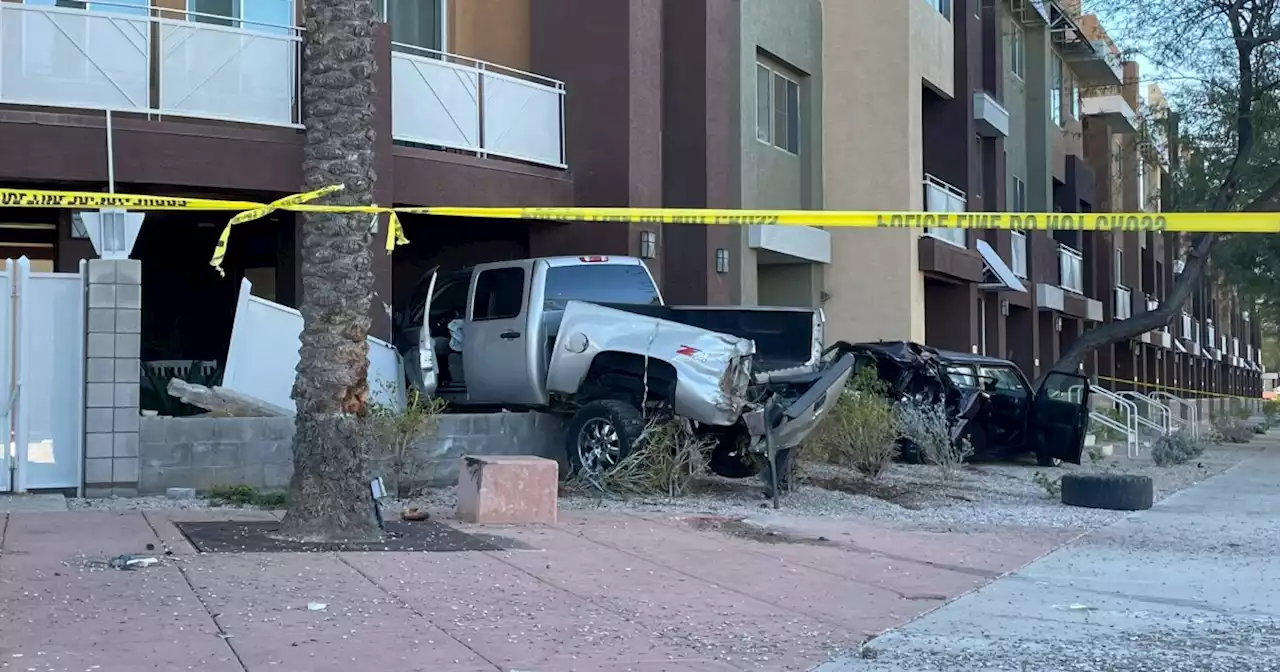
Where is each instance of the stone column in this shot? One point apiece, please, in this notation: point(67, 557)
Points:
point(113, 376)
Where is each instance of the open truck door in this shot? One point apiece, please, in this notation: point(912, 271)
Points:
point(414, 340)
point(1059, 418)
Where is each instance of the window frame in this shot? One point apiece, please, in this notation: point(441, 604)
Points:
point(1056, 77)
point(473, 308)
point(791, 109)
point(1018, 52)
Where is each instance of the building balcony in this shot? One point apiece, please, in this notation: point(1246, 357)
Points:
point(1124, 303)
point(1113, 109)
point(1070, 269)
point(790, 244)
point(122, 58)
point(991, 117)
point(453, 102)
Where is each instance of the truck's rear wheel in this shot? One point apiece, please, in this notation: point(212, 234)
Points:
point(602, 434)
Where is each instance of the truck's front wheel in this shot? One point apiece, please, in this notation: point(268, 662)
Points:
point(601, 434)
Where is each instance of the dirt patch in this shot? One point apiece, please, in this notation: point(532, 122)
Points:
point(740, 528)
point(902, 495)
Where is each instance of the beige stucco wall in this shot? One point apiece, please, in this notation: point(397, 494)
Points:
point(876, 56)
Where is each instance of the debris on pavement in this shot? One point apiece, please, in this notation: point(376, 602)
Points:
point(317, 606)
point(221, 402)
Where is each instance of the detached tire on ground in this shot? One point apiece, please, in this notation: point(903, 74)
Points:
point(1116, 492)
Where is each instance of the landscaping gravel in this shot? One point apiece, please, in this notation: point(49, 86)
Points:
point(909, 496)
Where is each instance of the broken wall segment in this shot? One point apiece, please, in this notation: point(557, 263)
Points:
point(202, 452)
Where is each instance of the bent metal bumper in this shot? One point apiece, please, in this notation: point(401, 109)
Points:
point(783, 427)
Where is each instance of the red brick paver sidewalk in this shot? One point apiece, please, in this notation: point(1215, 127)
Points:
point(603, 592)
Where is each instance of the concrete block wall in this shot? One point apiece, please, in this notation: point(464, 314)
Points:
point(113, 376)
point(203, 452)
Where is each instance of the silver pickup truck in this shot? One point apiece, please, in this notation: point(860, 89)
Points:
point(589, 337)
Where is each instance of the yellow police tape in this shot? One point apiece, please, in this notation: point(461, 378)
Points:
point(1186, 222)
point(1175, 390)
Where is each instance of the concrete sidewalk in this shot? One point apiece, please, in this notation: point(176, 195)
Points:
point(605, 591)
point(1190, 585)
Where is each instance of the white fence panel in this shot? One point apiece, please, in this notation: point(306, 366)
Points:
point(263, 358)
point(73, 58)
point(50, 423)
point(8, 398)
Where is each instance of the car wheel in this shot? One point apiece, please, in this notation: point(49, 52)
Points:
point(1116, 492)
point(602, 434)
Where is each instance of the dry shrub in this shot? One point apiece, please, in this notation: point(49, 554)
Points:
point(665, 460)
point(861, 430)
point(395, 438)
point(927, 424)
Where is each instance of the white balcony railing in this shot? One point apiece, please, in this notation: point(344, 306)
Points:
point(1124, 303)
point(117, 58)
point(942, 197)
point(1019, 256)
point(453, 102)
point(1070, 269)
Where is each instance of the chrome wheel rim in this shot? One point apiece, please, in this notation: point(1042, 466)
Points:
point(598, 445)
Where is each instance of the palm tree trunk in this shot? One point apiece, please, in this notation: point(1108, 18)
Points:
point(329, 497)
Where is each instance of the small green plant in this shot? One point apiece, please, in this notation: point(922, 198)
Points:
point(245, 495)
point(1095, 453)
point(1271, 411)
point(1240, 410)
point(1176, 448)
point(861, 430)
point(1230, 429)
point(1052, 486)
point(396, 438)
point(927, 424)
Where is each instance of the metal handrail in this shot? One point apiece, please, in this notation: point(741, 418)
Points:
point(1193, 415)
point(1130, 415)
point(1166, 413)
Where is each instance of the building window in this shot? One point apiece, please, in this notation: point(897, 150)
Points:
point(266, 16)
point(943, 7)
point(415, 24)
point(1018, 51)
point(1119, 266)
point(777, 109)
point(1055, 91)
point(1018, 197)
point(1075, 98)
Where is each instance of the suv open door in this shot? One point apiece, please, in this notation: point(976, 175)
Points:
point(1058, 418)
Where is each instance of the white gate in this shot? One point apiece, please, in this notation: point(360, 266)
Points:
point(42, 334)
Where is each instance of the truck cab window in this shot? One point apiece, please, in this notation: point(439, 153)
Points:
point(599, 283)
point(499, 294)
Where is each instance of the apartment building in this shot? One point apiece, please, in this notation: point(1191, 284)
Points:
point(1016, 105)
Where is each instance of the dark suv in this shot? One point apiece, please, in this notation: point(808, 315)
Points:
point(997, 409)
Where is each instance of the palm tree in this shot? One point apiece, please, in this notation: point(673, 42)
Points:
point(329, 497)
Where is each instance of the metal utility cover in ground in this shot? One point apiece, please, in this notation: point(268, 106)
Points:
point(259, 537)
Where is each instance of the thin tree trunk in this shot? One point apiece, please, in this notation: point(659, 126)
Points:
point(329, 496)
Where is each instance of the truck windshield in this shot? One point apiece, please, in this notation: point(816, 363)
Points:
point(599, 283)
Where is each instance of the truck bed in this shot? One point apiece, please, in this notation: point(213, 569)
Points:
point(783, 336)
